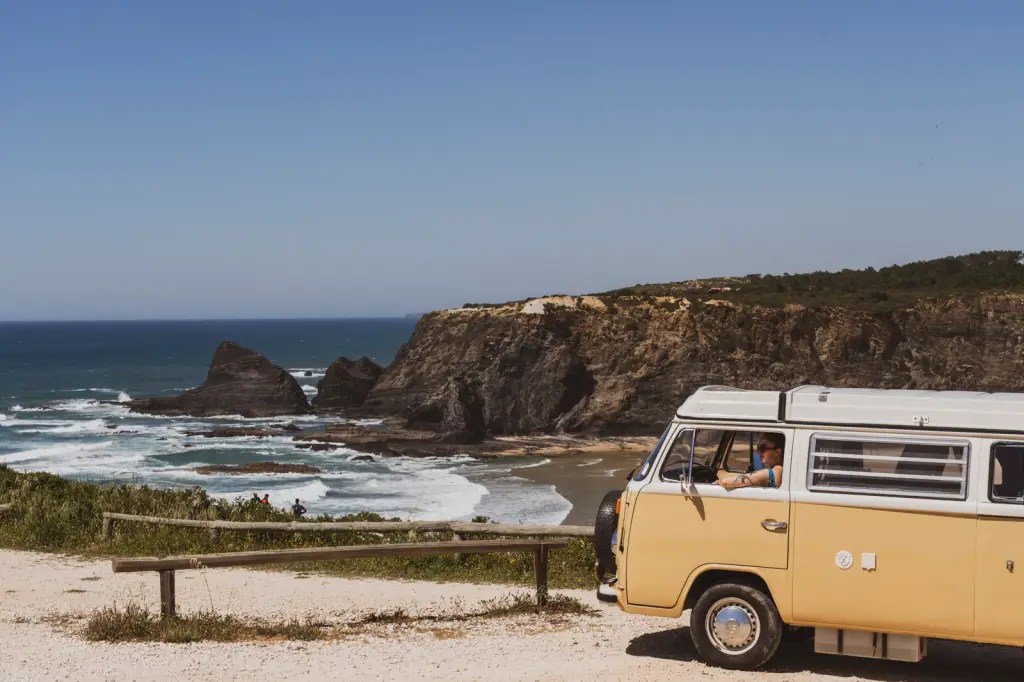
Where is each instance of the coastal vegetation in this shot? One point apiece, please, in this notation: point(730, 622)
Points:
point(134, 622)
point(869, 289)
point(54, 514)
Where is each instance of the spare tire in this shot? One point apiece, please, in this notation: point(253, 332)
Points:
point(605, 525)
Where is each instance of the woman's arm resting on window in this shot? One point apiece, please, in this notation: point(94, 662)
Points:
point(758, 478)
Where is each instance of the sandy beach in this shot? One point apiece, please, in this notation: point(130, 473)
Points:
point(584, 478)
point(46, 597)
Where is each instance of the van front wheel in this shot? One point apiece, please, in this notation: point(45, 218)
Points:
point(735, 626)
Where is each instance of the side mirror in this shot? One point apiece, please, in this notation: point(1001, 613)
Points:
point(686, 478)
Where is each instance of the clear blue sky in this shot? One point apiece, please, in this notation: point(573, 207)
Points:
point(251, 159)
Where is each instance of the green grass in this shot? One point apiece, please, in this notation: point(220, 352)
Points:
point(59, 515)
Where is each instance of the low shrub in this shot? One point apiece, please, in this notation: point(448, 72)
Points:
point(60, 515)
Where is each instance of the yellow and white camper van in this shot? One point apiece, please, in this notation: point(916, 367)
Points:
point(896, 516)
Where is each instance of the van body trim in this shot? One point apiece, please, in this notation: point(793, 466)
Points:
point(930, 431)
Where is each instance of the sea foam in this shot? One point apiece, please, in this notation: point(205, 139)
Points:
point(314, 372)
point(279, 497)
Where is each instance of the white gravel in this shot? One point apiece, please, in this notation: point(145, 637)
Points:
point(613, 646)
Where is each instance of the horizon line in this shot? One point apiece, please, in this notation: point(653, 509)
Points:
point(407, 316)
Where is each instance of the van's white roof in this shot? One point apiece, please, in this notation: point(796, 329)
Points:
point(861, 406)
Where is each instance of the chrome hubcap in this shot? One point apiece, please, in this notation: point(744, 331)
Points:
point(732, 625)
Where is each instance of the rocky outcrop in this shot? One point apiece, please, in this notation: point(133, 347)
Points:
point(239, 381)
point(256, 468)
point(456, 411)
point(239, 432)
point(622, 364)
point(391, 438)
point(346, 383)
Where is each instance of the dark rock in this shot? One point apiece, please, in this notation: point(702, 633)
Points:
point(307, 373)
point(111, 426)
point(257, 468)
point(346, 383)
point(362, 458)
point(239, 381)
point(317, 447)
point(291, 427)
point(621, 365)
point(456, 411)
point(237, 432)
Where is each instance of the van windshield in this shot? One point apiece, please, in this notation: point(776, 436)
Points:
point(645, 468)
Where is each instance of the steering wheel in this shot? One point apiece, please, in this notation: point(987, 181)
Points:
point(703, 473)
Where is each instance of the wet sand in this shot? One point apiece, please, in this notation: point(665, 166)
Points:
point(584, 478)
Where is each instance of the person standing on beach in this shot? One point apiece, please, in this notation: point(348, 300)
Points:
point(266, 500)
point(297, 509)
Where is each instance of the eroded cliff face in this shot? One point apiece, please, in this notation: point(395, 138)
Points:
point(622, 365)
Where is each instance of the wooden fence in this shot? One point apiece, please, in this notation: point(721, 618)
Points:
point(168, 565)
point(459, 529)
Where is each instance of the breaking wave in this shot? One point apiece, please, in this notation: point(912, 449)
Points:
point(280, 497)
point(307, 372)
point(534, 465)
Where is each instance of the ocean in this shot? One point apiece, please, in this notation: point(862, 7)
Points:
point(61, 384)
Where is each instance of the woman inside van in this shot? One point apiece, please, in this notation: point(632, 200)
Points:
point(769, 446)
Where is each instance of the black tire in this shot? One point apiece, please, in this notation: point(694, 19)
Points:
point(605, 524)
point(764, 636)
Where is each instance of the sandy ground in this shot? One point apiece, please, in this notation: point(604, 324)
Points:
point(571, 445)
point(611, 646)
point(584, 479)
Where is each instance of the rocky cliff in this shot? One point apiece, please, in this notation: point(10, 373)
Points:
point(621, 364)
point(239, 381)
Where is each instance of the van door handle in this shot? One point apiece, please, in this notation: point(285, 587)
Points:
point(772, 525)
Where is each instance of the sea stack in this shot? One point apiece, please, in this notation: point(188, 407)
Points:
point(239, 381)
point(346, 383)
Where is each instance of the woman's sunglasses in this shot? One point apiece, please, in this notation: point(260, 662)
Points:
point(761, 447)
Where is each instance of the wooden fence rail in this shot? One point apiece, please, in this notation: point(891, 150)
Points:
point(459, 529)
point(166, 566)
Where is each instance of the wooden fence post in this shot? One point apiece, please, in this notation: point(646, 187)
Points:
point(108, 527)
point(214, 535)
point(540, 570)
point(167, 594)
point(459, 537)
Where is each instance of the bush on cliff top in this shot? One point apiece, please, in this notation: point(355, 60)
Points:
point(868, 289)
point(60, 515)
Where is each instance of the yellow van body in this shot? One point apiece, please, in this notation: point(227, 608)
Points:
point(882, 527)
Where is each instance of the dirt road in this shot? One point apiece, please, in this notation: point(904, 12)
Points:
point(612, 646)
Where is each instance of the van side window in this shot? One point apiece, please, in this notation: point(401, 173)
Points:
point(901, 468)
point(1007, 473)
point(742, 457)
point(705, 451)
